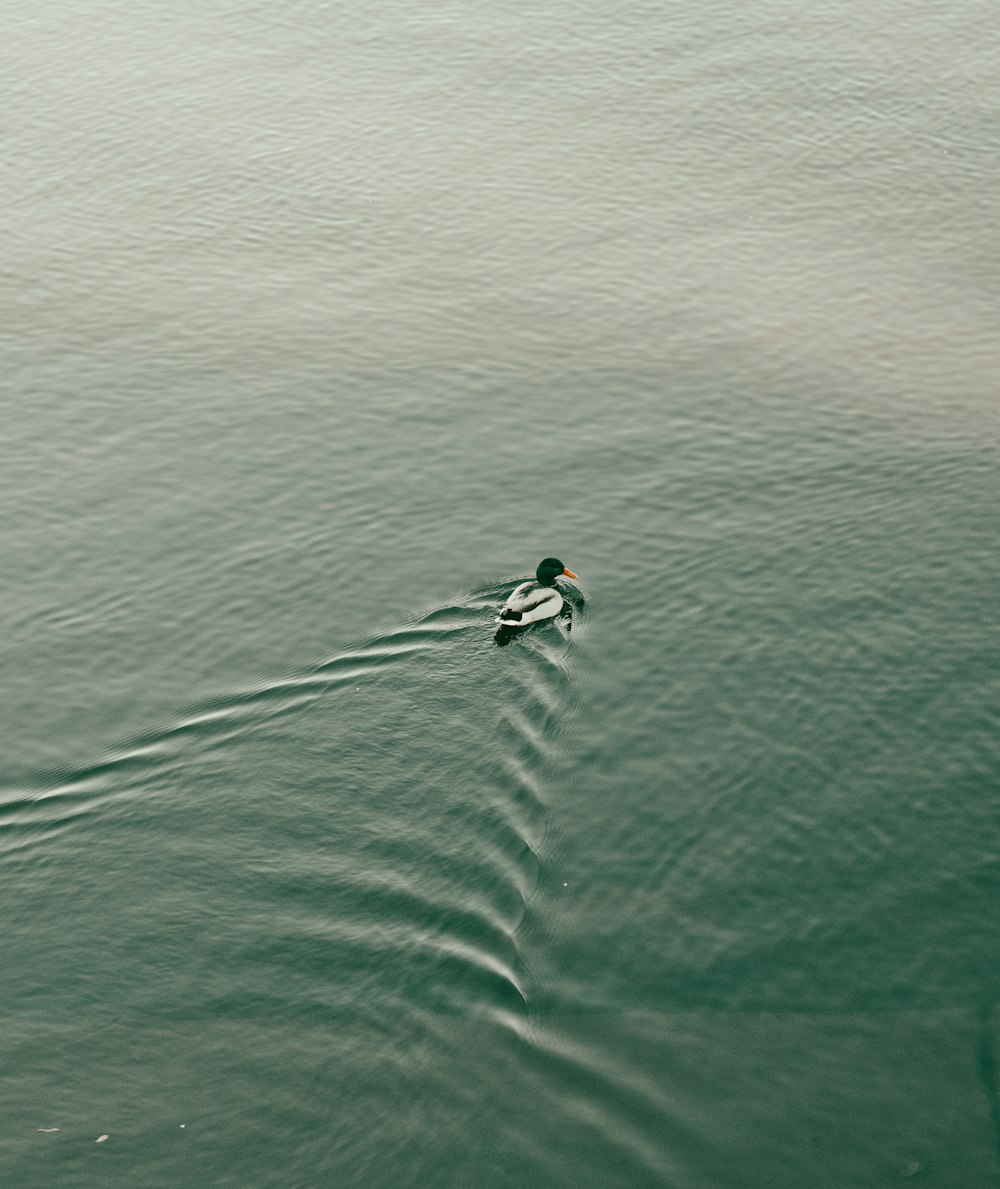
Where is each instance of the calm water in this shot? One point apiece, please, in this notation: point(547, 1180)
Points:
point(322, 325)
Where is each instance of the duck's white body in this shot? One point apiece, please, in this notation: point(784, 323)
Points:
point(529, 603)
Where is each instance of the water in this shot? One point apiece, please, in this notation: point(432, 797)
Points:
point(322, 328)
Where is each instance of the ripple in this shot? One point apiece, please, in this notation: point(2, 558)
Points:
point(432, 834)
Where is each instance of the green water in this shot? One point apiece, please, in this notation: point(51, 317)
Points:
point(322, 328)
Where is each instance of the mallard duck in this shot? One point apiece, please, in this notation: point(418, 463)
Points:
point(532, 602)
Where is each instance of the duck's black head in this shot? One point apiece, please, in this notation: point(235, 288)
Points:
point(550, 569)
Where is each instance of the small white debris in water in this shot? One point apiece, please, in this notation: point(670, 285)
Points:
point(565, 885)
point(100, 1139)
point(46, 1130)
point(184, 1125)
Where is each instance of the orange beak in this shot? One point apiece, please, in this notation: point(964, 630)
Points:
point(569, 573)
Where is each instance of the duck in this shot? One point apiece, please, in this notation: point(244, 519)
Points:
point(532, 602)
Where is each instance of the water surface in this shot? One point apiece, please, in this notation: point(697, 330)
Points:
point(323, 327)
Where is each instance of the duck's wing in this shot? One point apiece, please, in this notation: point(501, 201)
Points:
point(522, 597)
point(529, 603)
